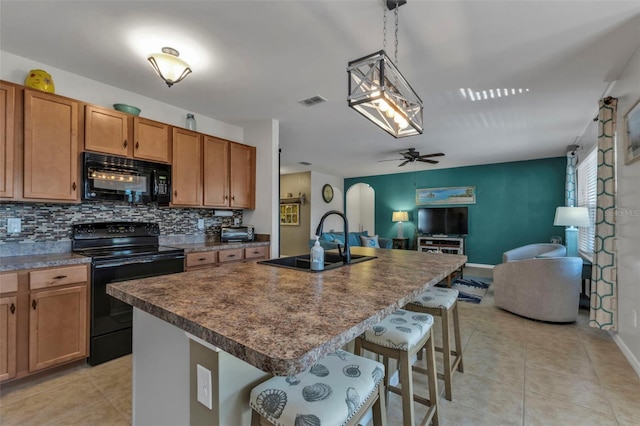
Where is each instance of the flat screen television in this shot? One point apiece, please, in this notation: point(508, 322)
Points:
point(443, 220)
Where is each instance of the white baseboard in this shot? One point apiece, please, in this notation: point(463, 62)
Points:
point(480, 265)
point(635, 364)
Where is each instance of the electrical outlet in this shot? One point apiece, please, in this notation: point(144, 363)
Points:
point(14, 226)
point(200, 223)
point(204, 386)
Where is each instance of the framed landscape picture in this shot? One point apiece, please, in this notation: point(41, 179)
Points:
point(451, 195)
point(632, 134)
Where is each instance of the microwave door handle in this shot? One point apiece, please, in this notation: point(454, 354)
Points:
point(154, 180)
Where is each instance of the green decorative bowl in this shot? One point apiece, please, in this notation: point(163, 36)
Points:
point(127, 108)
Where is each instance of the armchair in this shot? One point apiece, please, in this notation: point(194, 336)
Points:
point(546, 289)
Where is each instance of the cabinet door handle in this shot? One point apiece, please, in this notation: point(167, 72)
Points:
point(59, 277)
point(233, 198)
point(202, 259)
point(13, 308)
point(231, 255)
point(256, 252)
point(175, 193)
point(74, 186)
point(226, 197)
point(137, 144)
point(34, 304)
point(126, 143)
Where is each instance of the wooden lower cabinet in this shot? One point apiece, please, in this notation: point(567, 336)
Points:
point(201, 259)
point(256, 253)
point(8, 328)
point(213, 258)
point(57, 326)
point(44, 319)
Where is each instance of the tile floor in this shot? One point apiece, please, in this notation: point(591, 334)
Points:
point(516, 372)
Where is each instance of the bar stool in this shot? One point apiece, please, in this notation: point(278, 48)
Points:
point(443, 302)
point(400, 336)
point(336, 391)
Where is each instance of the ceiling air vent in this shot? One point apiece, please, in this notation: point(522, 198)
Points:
point(314, 100)
point(305, 163)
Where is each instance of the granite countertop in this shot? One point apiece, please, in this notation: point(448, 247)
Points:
point(211, 246)
point(16, 263)
point(282, 320)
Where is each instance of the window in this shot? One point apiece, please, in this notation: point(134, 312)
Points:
point(587, 174)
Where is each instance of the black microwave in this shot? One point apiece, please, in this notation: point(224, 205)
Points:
point(107, 177)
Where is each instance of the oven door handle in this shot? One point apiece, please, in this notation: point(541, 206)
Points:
point(115, 263)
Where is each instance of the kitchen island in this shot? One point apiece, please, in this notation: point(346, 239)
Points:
point(271, 320)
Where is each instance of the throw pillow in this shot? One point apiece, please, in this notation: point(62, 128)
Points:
point(370, 241)
point(338, 238)
point(326, 236)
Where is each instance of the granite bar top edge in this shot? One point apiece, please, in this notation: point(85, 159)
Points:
point(17, 263)
point(277, 367)
point(268, 352)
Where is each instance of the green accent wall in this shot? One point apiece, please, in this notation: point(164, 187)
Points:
point(515, 203)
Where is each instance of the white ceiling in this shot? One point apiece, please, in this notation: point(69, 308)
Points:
point(257, 59)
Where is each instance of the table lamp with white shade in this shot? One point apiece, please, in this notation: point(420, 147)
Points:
point(572, 217)
point(400, 217)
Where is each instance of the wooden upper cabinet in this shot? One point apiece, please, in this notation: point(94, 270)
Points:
point(216, 172)
point(242, 176)
point(186, 168)
point(151, 140)
point(7, 141)
point(106, 131)
point(50, 147)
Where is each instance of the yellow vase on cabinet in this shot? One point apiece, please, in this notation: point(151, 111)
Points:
point(40, 80)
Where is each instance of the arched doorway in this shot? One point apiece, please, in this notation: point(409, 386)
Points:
point(361, 211)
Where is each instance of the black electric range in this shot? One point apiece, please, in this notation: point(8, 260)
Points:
point(119, 251)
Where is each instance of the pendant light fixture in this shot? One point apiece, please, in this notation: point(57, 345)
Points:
point(380, 92)
point(169, 66)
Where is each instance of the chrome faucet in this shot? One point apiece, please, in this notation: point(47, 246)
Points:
point(346, 255)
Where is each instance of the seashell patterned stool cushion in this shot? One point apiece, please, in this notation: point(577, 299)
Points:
point(437, 297)
point(327, 394)
point(401, 330)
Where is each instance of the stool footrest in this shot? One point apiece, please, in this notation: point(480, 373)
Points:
point(417, 398)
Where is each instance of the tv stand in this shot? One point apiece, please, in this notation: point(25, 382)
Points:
point(441, 244)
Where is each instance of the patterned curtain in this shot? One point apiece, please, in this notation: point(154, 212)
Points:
point(603, 313)
point(570, 184)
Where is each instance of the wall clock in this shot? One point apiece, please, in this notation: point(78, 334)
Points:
point(327, 193)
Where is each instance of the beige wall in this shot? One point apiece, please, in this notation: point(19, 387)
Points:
point(627, 90)
point(294, 239)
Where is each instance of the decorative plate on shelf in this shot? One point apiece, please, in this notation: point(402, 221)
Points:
point(327, 193)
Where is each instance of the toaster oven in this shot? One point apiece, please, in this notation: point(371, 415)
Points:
point(236, 233)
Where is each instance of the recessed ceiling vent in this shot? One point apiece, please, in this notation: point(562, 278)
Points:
point(314, 100)
point(305, 163)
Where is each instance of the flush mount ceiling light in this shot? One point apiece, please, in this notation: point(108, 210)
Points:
point(169, 66)
point(378, 90)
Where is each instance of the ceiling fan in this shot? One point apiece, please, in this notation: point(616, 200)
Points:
point(412, 155)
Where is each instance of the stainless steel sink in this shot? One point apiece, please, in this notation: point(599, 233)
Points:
point(302, 262)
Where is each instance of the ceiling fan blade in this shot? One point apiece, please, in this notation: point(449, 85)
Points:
point(424, 160)
point(391, 159)
point(439, 154)
point(403, 163)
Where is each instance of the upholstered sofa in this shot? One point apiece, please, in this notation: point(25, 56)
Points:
point(534, 284)
point(330, 240)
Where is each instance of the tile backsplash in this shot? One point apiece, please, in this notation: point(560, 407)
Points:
point(51, 223)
